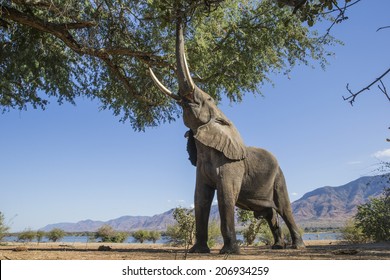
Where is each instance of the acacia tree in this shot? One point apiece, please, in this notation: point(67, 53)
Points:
point(101, 49)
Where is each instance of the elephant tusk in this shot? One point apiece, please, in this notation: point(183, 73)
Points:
point(162, 87)
point(188, 74)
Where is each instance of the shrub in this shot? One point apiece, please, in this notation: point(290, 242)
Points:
point(140, 235)
point(373, 217)
point(352, 233)
point(253, 225)
point(3, 227)
point(40, 234)
point(55, 234)
point(154, 236)
point(27, 236)
point(183, 232)
point(107, 234)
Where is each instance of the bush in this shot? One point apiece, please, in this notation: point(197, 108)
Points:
point(55, 234)
point(214, 234)
point(27, 235)
point(141, 235)
point(253, 225)
point(3, 227)
point(107, 234)
point(352, 233)
point(373, 217)
point(40, 234)
point(154, 236)
point(183, 232)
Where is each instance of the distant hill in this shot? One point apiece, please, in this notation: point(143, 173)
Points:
point(326, 206)
point(332, 206)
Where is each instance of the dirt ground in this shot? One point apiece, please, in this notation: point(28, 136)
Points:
point(315, 250)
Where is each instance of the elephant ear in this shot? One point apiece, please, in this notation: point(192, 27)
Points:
point(221, 135)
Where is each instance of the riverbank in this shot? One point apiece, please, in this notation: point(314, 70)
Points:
point(315, 250)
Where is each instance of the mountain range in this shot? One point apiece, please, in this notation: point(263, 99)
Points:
point(323, 207)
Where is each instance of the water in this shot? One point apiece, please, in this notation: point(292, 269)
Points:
point(163, 239)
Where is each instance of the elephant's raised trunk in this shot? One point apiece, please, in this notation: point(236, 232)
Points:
point(186, 84)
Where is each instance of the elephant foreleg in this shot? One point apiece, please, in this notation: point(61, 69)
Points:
point(203, 199)
point(226, 205)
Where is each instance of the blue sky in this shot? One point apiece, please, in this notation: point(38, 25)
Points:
point(70, 163)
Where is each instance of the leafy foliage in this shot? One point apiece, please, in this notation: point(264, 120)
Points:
point(55, 234)
point(373, 217)
point(107, 234)
point(60, 50)
point(352, 233)
point(253, 225)
point(3, 227)
point(27, 235)
point(183, 233)
point(154, 236)
point(40, 235)
point(141, 235)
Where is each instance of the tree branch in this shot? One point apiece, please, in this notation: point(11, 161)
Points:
point(383, 27)
point(352, 97)
point(61, 31)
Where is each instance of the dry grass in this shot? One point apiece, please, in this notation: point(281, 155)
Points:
point(316, 250)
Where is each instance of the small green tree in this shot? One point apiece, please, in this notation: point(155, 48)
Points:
point(353, 233)
point(154, 235)
point(27, 235)
point(107, 234)
point(373, 217)
point(253, 225)
point(40, 235)
point(3, 227)
point(183, 232)
point(120, 237)
point(55, 234)
point(140, 235)
point(214, 233)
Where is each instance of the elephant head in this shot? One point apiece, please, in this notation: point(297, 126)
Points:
point(200, 113)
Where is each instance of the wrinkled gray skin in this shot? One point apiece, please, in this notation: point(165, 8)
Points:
point(247, 177)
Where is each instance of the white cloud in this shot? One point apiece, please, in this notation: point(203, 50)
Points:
point(384, 154)
point(294, 194)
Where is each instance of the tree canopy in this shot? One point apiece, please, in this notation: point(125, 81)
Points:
point(54, 50)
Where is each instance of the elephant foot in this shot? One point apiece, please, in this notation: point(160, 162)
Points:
point(199, 249)
point(232, 249)
point(299, 246)
point(278, 246)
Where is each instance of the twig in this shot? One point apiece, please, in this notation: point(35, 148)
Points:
point(383, 27)
point(352, 97)
point(383, 89)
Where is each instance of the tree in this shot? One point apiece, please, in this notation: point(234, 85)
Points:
point(352, 233)
point(39, 235)
point(55, 234)
point(373, 217)
point(27, 235)
point(3, 227)
point(154, 236)
point(183, 232)
point(253, 225)
point(59, 50)
point(141, 235)
point(107, 234)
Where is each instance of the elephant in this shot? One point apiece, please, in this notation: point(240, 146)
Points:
point(242, 176)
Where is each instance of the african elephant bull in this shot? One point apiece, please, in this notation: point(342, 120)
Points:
point(247, 177)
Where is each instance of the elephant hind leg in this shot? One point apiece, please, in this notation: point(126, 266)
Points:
point(271, 217)
point(283, 205)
